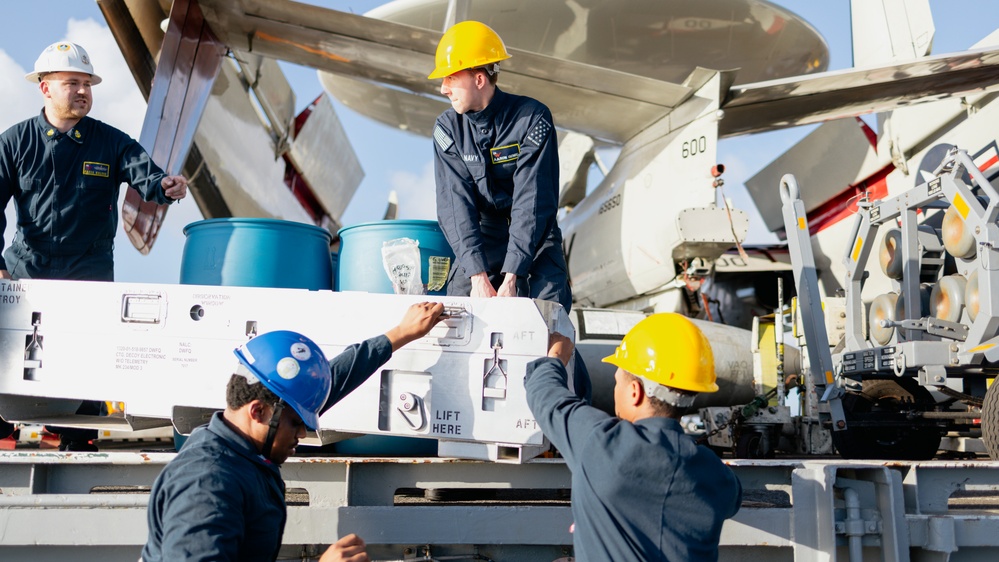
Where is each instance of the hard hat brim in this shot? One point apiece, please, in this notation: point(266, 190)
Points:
point(439, 73)
point(36, 77)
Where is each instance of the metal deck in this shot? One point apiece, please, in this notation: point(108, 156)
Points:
point(91, 506)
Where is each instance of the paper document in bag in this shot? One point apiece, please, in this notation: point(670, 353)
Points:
point(401, 258)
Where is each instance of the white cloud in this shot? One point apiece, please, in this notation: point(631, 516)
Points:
point(117, 100)
point(21, 99)
point(417, 193)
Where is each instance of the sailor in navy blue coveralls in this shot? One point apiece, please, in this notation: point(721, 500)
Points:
point(496, 168)
point(65, 188)
point(497, 196)
point(221, 498)
point(641, 490)
point(64, 170)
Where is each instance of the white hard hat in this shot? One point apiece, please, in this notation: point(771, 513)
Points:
point(62, 57)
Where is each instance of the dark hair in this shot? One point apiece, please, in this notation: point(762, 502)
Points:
point(660, 407)
point(492, 76)
point(239, 393)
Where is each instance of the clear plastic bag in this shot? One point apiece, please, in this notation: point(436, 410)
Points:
point(401, 259)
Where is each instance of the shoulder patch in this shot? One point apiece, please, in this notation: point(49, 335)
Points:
point(443, 140)
point(540, 132)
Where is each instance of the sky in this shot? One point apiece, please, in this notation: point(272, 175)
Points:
point(392, 159)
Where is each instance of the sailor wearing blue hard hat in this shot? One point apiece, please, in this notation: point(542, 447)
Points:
point(222, 496)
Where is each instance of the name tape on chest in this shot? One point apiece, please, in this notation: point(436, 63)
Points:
point(98, 169)
point(506, 153)
point(540, 132)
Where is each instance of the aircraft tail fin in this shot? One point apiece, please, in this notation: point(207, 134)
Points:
point(890, 31)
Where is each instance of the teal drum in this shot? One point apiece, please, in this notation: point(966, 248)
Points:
point(334, 258)
point(384, 256)
point(404, 245)
point(246, 252)
point(243, 252)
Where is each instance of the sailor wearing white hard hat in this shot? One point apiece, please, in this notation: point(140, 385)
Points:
point(63, 57)
point(64, 171)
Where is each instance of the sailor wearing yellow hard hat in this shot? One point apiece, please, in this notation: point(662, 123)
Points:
point(641, 488)
point(497, 173)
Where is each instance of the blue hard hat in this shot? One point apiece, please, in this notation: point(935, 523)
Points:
point(293, 367)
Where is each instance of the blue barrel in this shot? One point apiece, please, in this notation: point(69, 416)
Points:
point(387, 446)
point(240, 252)
point(334, 258)
point(255, 253)
point(360, 267)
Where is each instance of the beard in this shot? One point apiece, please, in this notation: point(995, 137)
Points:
point(80, 110)
point(72, 110)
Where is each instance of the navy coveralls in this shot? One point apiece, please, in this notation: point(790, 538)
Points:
point(497, 196)
point(640, 491)
point(65, 187)
point(219, 499)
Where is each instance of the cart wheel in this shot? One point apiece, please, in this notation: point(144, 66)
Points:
point(754, 445)
point(990, 420)
point(885, 400)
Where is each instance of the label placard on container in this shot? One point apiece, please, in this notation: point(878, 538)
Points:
point(439, 267)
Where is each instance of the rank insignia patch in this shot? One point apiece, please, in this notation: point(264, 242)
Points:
point(96, 169)
point(506, 153)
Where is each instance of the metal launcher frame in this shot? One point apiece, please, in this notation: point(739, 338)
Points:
point(952, 358)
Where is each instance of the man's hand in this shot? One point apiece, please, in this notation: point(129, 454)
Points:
point(174, 187)
point(560, 347)
point(418, 320)
point(4, 274)
point(347, 549)
point(481, 287)
point(509, 286)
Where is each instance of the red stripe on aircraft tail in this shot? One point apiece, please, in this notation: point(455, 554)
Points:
point(872, 137)
point(989, 163)
point(845, 204)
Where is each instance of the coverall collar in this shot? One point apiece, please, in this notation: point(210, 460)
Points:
point(499, 100)
point(51, 133)
point(239, 443)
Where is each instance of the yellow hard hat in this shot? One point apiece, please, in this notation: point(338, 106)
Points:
point(670, 350)
point(467, 44)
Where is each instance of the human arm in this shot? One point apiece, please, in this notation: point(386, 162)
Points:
point(535, 194)
point(483, 287)
point(457, 212)
point(141, 173)
point(417, 322)
point(560, 347)
point(174, 187)
point(355, 364)
point(508, 288)
point(563, 417)
point(348, 549)
point(8, 179)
